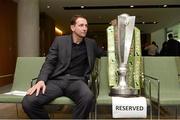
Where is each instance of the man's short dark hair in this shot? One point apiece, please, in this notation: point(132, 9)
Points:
point(170, 36)
point(75, 17)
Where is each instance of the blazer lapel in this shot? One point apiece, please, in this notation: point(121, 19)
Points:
point(69, 49)
point(89, 53)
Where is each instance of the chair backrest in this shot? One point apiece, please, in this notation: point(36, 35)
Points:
point(103, 76)
point(165, 69)
point(27, 68)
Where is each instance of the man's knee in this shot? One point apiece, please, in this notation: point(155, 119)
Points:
point(25, 104)
point(88, 98)
point(28, 102)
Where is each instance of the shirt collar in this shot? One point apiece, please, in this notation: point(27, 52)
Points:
point(82, 42)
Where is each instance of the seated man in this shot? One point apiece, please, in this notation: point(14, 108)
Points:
point(65, 73)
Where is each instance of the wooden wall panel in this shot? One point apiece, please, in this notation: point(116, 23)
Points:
point(8, 39)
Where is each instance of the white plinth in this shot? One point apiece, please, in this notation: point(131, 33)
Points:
point(132, 107)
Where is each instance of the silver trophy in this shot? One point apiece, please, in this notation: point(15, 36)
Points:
point(125, 27)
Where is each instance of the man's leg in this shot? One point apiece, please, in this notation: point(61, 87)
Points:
point(83, 97)
point(33, 105)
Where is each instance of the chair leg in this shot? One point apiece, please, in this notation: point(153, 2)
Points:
point(158, 107)
point(95, 111)
point(92, 113)
point(159, 111)
point(150, 110)
point(176, 111)
point(17, 113)
point(51, 115)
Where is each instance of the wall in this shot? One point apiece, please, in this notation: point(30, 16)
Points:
point(175, 30)
point(8, 39)
point(100, 37)
point(47, 33)
point(159, 37)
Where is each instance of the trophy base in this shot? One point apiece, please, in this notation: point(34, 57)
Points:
point(127, 92)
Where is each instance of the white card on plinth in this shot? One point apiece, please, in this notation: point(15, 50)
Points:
point(133, 107)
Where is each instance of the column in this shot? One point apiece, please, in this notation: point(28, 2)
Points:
point(28, 28)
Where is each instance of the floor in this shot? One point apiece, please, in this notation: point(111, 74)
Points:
point(15, 111)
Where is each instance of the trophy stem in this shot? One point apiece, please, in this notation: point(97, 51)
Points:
point(122, 77)
point(122, 89)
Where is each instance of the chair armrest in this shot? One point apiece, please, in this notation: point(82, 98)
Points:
point(95, 84)
point(94, 78)
point(33, 80)
point(150, 79)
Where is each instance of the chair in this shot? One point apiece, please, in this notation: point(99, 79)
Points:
point(165, 69)
point(28, 68)
point(103, 97)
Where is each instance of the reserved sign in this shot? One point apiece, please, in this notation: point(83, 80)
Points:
point(134, 107)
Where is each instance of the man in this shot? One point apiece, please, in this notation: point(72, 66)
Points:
point(65, 73)
point(152, 49)
point(173, 46)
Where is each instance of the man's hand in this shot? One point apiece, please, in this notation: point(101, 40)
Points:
point(37, 87)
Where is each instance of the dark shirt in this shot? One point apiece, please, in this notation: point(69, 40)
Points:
point(79, 60)
point(173, 48)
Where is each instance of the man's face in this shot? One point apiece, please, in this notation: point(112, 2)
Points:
point(80, 28)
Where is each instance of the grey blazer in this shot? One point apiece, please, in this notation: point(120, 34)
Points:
point(59, 57)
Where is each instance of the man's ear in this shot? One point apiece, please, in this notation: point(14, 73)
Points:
point(72, 27)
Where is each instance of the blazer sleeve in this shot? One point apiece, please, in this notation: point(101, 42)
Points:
point(99, 51)
point(50, 62)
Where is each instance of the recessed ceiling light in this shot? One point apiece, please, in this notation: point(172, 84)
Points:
point(82, 6)
point(48, 6)
point(132, 6)
point(164, 5)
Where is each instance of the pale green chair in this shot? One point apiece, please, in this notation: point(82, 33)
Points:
point(103, 98)
point(165, 69)
point(27, 68)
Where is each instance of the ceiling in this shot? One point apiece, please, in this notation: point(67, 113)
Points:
point(99, 18)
